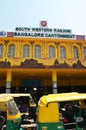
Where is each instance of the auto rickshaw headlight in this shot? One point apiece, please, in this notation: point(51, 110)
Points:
point(15, 121)
point(60, 127)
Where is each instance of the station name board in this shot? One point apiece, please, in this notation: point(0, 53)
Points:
point(42, 30)
point(43, 33)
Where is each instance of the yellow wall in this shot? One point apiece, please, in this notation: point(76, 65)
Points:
point(44, 44)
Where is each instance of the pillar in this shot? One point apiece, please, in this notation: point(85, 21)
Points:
point(32, 51)
point(8, 82)
point(54, 81)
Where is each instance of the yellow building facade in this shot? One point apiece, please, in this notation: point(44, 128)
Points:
point(42, 65)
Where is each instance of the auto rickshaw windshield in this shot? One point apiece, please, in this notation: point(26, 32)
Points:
point(12, 108)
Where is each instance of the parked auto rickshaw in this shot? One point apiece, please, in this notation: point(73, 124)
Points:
point(62, 111)
point(27, 107)
point(10, 117)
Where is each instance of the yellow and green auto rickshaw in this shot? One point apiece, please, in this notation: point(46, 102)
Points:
point(27, 107)
point(10, 117)
point(65, 111)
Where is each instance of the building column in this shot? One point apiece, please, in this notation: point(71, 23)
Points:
point(8, 82)
point(54, 81)
point(32, 51)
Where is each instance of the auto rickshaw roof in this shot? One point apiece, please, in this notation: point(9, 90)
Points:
point(3, 101)
point(18, 94)
point(4, 98)
point(62, 97)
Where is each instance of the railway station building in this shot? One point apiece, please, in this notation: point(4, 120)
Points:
point(42, 61)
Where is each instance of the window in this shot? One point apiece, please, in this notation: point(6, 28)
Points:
point(51, 52)
point(1, 50)
point(11, 52)
point(26, 51)
point(37, 51)
point(85, 53)
point(62, 52)
point(12, 107)
point(75, 50)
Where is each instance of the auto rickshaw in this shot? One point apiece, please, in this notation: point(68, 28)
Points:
point(10, 117)
point(27, 107)
point(65, 111)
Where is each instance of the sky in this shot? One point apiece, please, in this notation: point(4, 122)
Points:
point(60, 14)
